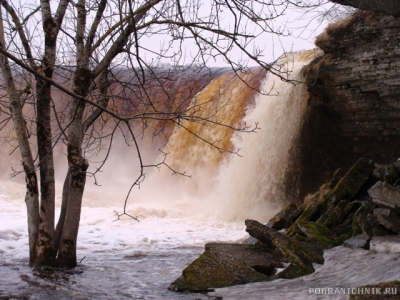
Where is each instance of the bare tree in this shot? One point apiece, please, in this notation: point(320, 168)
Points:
point(76, 72)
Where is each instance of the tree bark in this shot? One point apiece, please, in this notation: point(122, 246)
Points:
point(78, 166)
point(32, 191)
point(63, 211)
point(45, 251)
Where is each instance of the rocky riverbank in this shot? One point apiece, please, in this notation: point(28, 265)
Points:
point(353, 209)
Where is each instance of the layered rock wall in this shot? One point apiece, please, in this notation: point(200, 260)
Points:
point(354, 105)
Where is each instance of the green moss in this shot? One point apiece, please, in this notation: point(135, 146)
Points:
point(345, 189)
point(343, 212)
point(318, 234)
point(300, 256)
point(351, 183)
point(337, 176)
point(343, 233)
point(336, 214)
point(301, 238)
point(310, 209)
point(206, 272)
point(308, 213)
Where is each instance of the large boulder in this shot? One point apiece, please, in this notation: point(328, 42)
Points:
point(300, 255)
point(222, 265)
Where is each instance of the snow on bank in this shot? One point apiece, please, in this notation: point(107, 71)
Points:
point(343, 268)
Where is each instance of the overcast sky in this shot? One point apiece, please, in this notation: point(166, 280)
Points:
point(303, 30)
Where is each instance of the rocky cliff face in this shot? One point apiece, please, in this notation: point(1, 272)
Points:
point(354, 105)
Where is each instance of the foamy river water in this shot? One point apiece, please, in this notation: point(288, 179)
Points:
point(138, 260)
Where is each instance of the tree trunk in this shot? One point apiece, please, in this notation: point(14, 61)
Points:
point(77, 166)
point(45, 252)
point(63, 211)
point(32, 192)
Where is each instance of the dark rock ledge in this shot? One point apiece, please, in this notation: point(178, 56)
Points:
point(353, 207)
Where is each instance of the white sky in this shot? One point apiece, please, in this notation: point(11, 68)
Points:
point(272, 45)
point(303, 28)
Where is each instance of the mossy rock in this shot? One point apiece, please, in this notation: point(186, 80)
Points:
point(257, 256)
point(286, 217)
point(301, 256)
point(310, 208)
point(346, 189)
point(365, 222)
point(337, 214)
point(336, 177)
point(203, 274)
point(342, 233)
point(318, 234)
point(379, 291)
point(293, 271)
point(217, 267)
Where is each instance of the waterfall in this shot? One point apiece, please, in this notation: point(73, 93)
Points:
point(251, 184)
point(222, 185)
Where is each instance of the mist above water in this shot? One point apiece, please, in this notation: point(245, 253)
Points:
point(251, 183)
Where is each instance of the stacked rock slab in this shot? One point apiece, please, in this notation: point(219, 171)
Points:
point(352, 208)
point(354, 104)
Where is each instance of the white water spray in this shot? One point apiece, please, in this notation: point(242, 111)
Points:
point(231, 187)
point(253, 186)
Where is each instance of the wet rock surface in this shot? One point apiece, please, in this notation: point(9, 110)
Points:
point(341, 212)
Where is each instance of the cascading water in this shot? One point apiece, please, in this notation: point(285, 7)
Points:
point(126, 259)
point(251, 184)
